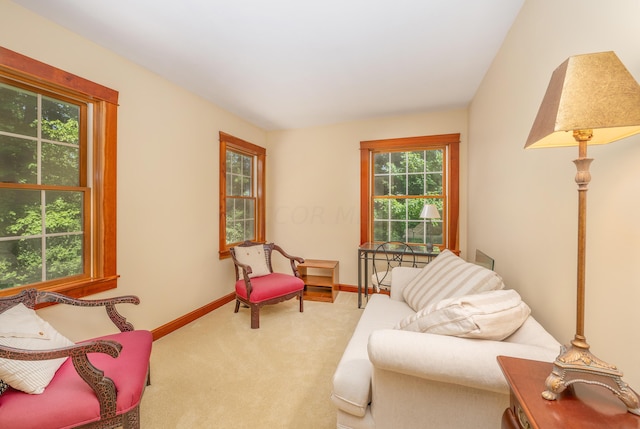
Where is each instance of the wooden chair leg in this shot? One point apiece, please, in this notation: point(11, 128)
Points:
point(131, 420)
point(255, 316)
point(301, 299)
point(237, 305)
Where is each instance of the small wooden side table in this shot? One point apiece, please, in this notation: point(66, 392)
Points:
point(320, 278)
point(581, 406)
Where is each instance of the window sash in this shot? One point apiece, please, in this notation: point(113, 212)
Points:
point(447, 199)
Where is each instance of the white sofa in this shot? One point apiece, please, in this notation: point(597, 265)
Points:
point(390, 378)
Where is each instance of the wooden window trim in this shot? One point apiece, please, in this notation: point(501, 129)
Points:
point(452, 144)
point(228, 141)
point(18, 67)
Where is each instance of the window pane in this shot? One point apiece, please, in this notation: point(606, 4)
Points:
point(236, 185)
point(246, 166)
point(416, 184)
point(18, 160)
point(381, 163)
point(63, 212)
point(397, 162)
point(249, 209)
point(60, 165)
point(20, 262)
point(416, 163)
point(434, 160)
point(381, 185)
point(249, 229)
point(398, 231)
point(20, 213)
point(246, 186)
point(434, 184)
point(249, 217)
point(60, 121)
point(233, 163)
point(398, 209)
point(64, 256)
point(398, 184)
point(18, 111)
point(235, 232)
point(380, 230)
point(381, 208)
point(231, 209)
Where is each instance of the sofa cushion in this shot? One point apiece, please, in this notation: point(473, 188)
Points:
point(29, 376)
point(448, 276)
point(254, 257)
point(492, 315)
point(51, 410)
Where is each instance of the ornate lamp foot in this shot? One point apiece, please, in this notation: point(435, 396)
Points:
point(576, 364)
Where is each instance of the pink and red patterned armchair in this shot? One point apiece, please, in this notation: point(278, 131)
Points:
point(257, 284)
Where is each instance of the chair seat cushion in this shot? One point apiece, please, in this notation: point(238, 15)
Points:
point(272, 286)
point(68, 401)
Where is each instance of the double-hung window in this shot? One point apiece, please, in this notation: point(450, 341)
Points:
point(57, 179)
point(400, 176)
point(242, 175)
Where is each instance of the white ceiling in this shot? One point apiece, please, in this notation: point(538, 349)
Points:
point(283, 64)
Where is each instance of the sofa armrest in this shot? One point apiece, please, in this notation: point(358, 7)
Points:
point(463, 361)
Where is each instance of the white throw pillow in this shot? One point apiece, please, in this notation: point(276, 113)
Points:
point(254, 257)
point(29, 376)
point(448, 276)
point(18, 321)
point(492, 315)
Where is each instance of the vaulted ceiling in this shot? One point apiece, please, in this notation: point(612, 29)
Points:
point(283, 64)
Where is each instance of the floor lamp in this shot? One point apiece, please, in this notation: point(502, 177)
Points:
point(591, 99)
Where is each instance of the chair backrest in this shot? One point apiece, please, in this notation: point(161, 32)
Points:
point(484, 260)
point(389, 255)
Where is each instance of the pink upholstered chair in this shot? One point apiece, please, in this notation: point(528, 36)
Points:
point(257, 284)
point(100, 385)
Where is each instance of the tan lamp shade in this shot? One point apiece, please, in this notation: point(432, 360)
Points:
point(587, 92)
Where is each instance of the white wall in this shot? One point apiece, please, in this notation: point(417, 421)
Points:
point(167, 177)
point(523, 204)
point(313, 182)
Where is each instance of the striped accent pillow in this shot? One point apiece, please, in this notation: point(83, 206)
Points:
point(449, 276)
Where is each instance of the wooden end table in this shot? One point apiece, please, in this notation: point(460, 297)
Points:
point(580, 406)
point(320, 278)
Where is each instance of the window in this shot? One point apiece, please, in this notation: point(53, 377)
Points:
point(399, 176)
point(57, 180)
point(242, 209)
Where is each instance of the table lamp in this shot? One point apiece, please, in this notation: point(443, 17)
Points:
point(429, 211)
point(591, 99)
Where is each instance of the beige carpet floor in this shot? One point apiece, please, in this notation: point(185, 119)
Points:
point(216, 372)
